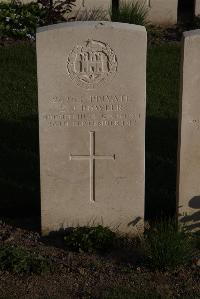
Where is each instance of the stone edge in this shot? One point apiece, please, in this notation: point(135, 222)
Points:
point(191, 33)
point(71, 25)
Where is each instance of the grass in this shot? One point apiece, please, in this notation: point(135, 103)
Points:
point(19, 157)
point(167, 247)
point(19, 154)
point(162, 129)
point(132, 12)
point(93, 14)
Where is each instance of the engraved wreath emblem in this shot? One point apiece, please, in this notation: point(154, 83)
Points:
point(91, 64)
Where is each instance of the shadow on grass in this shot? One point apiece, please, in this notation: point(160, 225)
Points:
point(19, 173)
point(161, 160)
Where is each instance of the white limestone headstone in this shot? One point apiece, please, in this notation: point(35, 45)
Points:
point(188, 184)
point(160, 12)
point(91, 89)
point(98, 9)
point(90, 4)
point(197, 7)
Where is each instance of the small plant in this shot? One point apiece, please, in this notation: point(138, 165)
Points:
point(20, 21)
point(94, 14)
point(195, 23)
point(56, 10)
point(90, 239)
point(134, 12)
point(18, 260)
point(167, 247)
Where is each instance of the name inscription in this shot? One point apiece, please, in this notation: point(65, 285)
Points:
point(94, 111)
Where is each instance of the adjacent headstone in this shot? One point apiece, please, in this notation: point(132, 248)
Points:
point(189, 133)
point(161, 12)
point(197, 7)
point(91, 4)
point(91, 88)
point(97, 10)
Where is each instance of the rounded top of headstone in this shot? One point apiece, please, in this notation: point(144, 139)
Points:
point(191, 33)
point(94, 24)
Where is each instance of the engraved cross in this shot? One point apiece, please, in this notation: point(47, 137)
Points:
point(92, 157)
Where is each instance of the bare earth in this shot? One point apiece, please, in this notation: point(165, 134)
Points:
point(79, 275)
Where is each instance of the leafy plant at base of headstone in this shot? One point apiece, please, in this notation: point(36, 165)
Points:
point(168, 247)
point(56, 10)
point(93, 14)
point(134, 12)
point(90, 239)
point(18, 260)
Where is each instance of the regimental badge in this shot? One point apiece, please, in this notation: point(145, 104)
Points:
point(91, 64)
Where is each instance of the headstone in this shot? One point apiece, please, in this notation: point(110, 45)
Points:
point(98, 9)
point(197, 7)
point(90, 4)
point(189, 133)
point(161, 12)
point(91, 89)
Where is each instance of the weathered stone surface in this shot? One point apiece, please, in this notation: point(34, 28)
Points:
point(88, 4)
point(91, 88)
point(162, 12)
point(189, 133)
point(99, 10)
point(197, 7)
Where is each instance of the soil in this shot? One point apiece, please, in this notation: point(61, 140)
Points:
point(81, 275)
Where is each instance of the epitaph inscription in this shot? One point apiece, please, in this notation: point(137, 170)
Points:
point(91, 64)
